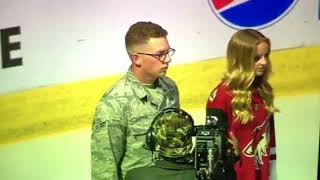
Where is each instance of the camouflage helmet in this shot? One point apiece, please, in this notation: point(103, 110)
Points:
point(173, 129)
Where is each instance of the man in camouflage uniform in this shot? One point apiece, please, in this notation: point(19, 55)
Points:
point(126, 111)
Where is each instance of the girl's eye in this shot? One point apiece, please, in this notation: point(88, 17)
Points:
point(257, 58)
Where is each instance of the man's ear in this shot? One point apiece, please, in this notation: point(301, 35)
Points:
point(136, 60)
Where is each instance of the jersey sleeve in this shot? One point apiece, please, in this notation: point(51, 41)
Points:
point(217, 109)
point(272, 142)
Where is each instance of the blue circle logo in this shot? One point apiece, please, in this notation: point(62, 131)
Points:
point(255, 14)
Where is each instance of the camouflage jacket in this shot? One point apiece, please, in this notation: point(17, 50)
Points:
point(122, 118)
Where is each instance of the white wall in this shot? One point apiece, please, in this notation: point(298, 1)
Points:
point(63, 41)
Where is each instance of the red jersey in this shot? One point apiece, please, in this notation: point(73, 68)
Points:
point(256, 139)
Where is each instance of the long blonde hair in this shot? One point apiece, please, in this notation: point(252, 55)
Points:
point(240, 75)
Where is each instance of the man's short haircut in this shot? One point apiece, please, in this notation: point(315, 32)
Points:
point(140, 32)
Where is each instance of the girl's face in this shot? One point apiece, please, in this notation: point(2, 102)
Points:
point(261, 59)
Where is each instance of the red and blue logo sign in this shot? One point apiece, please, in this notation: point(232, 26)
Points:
point(255, 14)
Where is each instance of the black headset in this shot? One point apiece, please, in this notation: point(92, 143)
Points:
point(150, 136)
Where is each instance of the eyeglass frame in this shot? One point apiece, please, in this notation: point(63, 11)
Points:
point(158, 56)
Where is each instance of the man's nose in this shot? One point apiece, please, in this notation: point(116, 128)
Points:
point(167, 59)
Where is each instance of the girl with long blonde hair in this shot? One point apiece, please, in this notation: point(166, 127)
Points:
point(242, 106)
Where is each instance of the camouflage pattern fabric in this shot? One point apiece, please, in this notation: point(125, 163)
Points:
point(122, 118)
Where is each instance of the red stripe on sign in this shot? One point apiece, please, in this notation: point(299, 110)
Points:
point(218, 4)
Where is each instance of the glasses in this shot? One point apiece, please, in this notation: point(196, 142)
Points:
point(161, 56)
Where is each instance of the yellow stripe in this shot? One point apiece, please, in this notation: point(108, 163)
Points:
point(71, 106)
point(295, 72)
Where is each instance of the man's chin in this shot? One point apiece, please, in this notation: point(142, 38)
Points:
point(162, 73)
